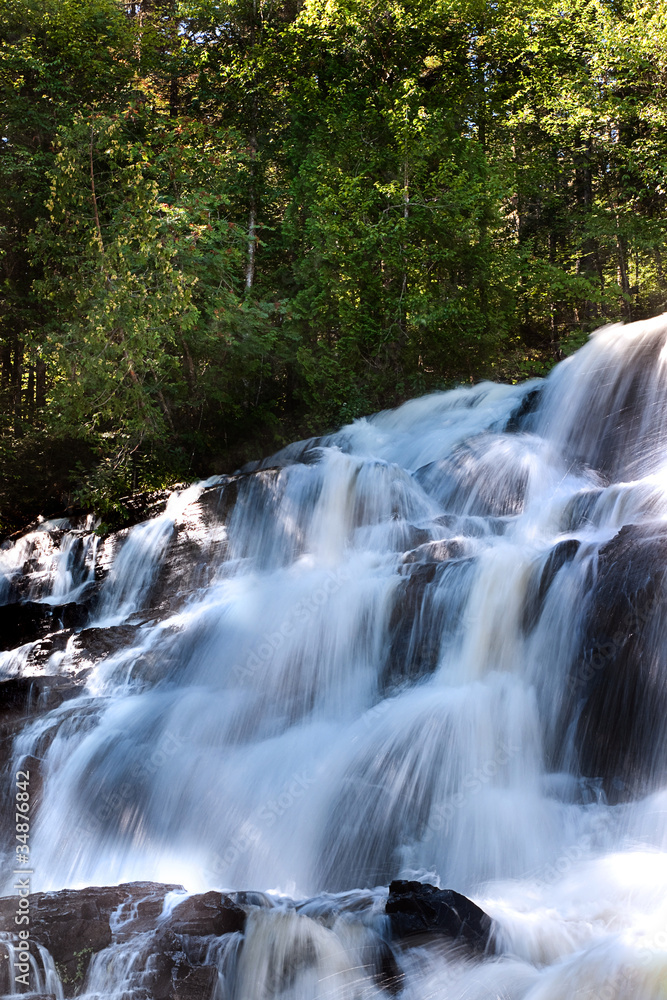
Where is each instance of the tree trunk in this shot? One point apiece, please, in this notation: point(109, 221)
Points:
point(6, 375)
point(40, 383)
point(17, 377)
point(93, 196)
point(622, 269)
point(252, 213)
point(30, 392)
point(190, 375)
point(173, 97)
point(252, 228)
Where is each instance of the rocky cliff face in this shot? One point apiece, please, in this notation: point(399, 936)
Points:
point(154, 940)
point(433, 642)
point(38, 631)
point(51, 580)
point(98, 925)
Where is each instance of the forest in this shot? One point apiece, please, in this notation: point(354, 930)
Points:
point(226, 225)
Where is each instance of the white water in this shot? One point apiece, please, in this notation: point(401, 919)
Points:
point(311, 721)
point(55, 561)
point(43, 974)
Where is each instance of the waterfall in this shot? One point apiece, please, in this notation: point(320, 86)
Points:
point(428, 646)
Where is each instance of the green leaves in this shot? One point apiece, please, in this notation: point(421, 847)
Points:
point(225, 224)
point(117, 300)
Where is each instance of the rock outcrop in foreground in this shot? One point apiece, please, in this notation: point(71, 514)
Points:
point(417, 909)
point(170, 948)
point(77, 925)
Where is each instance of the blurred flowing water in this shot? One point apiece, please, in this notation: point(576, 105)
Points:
point(397, 664)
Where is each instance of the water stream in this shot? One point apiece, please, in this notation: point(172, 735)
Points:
point(398, 665)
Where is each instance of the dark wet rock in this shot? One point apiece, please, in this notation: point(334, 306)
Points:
point(388, 975)
point(53, 643)
point(211, 913)
point(580, 511)
point(71, 616)
point(23, 697)
point(21, 700)
point(164, 972)
point(542, 579)
point(142, 506)
point(521, 418)
point(417, 910)
point(171, 957)
point(27, 622)
point(307, 452)
point(485, 477)
point(472, 526)
point(413, 536)
point(197, 984)
point(98, 643)
point(436, 551)
point(197, 546)
point(426, 617)
point(196, 549)
point(192, 555)
point(75, 924)
point(618, 682)
point(246, 897)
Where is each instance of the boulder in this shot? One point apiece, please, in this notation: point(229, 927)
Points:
point(437, 551)
point(426, 615)
point(473, 479)
point(23, 699)
point(618, 681)
point(32, 620)
point(522, 416)
point(98, 643)
point(197, 984)
point(76, 924)
point(542, 578)
point(210, 913)
point(417, 910)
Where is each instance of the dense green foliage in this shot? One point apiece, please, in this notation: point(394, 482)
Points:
point(226, 224)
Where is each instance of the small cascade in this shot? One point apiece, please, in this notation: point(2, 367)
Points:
point(134, 568)
point(431, 647)
point(53, 564)
point(19, 967)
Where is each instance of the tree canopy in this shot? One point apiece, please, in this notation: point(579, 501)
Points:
point(227, 224)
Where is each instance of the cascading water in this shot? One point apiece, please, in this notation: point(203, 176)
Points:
point(430, 646)
point(58, 573)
